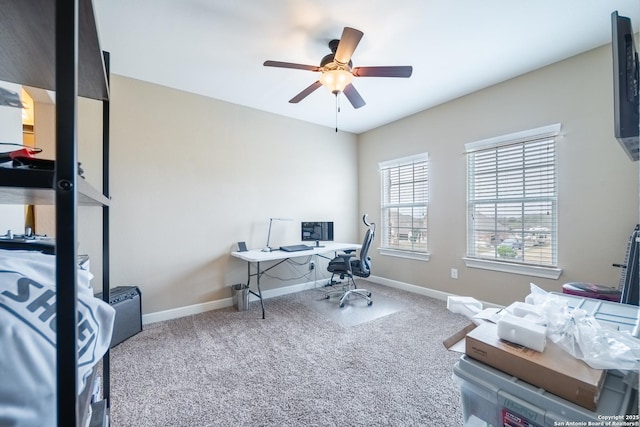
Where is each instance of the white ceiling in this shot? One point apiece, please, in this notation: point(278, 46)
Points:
point(216, 48)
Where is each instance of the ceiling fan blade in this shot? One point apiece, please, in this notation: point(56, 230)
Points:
point(348, 43)
point(302, 95)
point(399, 71)
point(291, 65)
point(353, 96)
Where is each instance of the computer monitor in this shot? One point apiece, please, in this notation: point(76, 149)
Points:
point(625, 86)
point(317, 231)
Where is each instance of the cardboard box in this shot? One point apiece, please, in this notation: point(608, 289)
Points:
point(554, 370)
point(456, 342)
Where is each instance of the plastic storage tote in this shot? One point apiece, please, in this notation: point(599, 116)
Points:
point(491, 398)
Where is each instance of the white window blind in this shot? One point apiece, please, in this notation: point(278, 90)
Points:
point(405, 196)
point(512, 198)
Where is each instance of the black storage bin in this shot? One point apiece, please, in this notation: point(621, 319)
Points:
point(127, 302)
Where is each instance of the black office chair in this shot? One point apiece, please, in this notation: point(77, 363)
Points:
point(346, 265)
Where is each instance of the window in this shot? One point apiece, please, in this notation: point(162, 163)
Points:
point(405, 196)
point(512, 198)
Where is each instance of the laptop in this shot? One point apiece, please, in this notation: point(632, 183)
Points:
point(295, 248)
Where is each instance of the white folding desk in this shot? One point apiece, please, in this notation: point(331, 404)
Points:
point(257, 256)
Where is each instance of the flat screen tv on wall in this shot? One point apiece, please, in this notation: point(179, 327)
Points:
point(625, 85)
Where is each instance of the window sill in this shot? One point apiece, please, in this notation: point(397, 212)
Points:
point(506, 267)
point(418, 256)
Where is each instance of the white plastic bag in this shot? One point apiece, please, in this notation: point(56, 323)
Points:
point(582, 336)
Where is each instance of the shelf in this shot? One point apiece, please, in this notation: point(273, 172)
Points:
point(35, 187)
point(28, 26)
point(54, 45)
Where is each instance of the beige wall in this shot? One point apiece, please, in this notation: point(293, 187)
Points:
point(191, 176)
point(598, 184)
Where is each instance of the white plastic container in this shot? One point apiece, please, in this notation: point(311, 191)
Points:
point(618, 316)
point(500, 399)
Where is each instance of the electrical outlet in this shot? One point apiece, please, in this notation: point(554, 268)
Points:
point(454, 273)
point(312, 265)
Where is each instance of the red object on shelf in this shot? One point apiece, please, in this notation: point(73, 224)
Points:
point(24, 152)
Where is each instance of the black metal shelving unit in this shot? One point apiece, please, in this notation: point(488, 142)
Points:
point(54, 45)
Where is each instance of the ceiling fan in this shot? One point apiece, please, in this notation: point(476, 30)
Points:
point(338, 71)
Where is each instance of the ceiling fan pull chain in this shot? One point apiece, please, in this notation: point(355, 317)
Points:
point(338, 100)
point(337, 109)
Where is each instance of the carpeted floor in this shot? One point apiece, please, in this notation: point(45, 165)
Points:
point(307, 364)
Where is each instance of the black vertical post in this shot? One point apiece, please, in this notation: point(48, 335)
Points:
point(66, 42)
point(106, 365)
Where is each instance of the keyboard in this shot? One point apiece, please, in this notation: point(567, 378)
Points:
point(295, 248)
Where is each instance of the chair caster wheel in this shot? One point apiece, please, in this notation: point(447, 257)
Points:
point(369, 295)
point(370, 302)
point(341, 304)
point(326, 297)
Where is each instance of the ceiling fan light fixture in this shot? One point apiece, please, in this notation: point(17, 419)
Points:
point(336, 80)
point(337, 70)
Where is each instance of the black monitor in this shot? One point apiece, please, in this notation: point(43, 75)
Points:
point(625, 86)
point(629, 279)
point(317, 231)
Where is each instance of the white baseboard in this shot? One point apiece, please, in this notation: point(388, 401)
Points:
point(189, 310)
point(423, 291)
point(410, 288)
